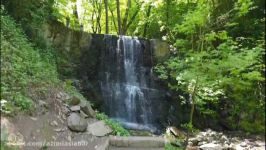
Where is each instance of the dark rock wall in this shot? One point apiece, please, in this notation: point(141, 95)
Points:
point(79, 56)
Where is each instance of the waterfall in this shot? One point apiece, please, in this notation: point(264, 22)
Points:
point(125, 81)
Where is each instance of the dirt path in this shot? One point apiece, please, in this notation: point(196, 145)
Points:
point(51, 130)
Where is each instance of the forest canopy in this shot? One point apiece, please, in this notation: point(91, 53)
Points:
point(217, 64)
point(217, 46)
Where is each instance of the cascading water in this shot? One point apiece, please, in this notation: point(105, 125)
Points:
point(126, 83)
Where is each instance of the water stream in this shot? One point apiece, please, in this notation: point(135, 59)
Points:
point(126, 83)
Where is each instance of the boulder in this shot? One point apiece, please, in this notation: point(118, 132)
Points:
point(195, 141)
point(74, 100)
point(202, 143)
point(224, 138)
point(99, 128)
point(211, 146)
point(176, 132)
point(161, 50)
point(83, 115)
point(76, 123)
point(62, 96)
point(87, 109)
point(75, 108)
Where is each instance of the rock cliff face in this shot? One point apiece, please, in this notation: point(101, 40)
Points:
point(89, 58)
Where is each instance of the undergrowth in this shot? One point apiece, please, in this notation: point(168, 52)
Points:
point(117, 127)
point(22, 67)
point(168, 146)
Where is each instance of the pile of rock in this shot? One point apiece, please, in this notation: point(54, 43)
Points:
point(212, 140)
point(79, 112)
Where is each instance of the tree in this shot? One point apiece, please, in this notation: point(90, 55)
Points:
point(96, 15)
point(106, 16)
point(216, 62)
point(118, 17)
point(148, 12)
point(124, 23)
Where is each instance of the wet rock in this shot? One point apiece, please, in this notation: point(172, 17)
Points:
point(87, 109)
point(99, 128)
point(76, 123)
point(75, 108)
point(211, 146)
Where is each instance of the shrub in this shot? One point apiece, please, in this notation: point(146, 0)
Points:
point(117, 127)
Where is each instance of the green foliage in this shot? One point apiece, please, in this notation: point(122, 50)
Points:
point(23, 102)
point(22, 66)
point(117, 128)
point(169, 146)
point(189, 126)
point(71, 90)
point(223, 64)
point(243, 6)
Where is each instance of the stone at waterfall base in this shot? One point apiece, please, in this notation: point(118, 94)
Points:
point(99, 128)
point(87, 109)
point(211, 146)
point(76, 123)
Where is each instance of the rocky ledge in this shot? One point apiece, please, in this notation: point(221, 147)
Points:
point(212, 140)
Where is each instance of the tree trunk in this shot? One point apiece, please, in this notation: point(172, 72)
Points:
point(113, 19)
point(167, 11)
point(118, 16)
point(131, 20)
point(106, 16)
point(124, 24)
point(146, 23)
point(192, 99)
point(193, 95)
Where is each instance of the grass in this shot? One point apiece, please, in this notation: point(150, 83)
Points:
point(117, 127)
point(171, 147)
